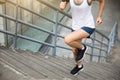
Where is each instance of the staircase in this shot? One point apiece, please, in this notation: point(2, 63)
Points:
point(25, 65)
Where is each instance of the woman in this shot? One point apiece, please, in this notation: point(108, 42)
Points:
point(83, 26)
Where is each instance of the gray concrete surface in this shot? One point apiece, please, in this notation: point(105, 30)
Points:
point(24, 65)
point(9, 73)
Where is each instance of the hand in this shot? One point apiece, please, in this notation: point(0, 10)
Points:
point(99, 20)
point(62, 5)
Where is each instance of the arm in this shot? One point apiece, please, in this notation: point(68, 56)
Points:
point(101, 8)
point(63, 4)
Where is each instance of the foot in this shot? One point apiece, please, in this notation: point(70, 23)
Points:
point(76, 70)
point(81, 53)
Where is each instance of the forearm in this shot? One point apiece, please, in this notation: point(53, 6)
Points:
point(101, 8)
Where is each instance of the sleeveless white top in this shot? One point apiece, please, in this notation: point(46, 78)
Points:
point(81, 15)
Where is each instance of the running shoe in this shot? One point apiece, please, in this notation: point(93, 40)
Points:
point(81, 53)
point(76, 70)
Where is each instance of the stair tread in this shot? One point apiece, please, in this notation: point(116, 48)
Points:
point(42, 66)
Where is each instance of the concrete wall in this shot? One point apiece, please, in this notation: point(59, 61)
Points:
point(33, 5)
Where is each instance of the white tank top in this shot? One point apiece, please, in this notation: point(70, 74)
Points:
point(81, 15)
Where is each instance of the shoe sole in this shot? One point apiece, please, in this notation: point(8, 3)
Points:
point(83, 55)
point(78, 72)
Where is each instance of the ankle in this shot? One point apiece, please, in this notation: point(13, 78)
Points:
point(82, 47)
point(79, 66)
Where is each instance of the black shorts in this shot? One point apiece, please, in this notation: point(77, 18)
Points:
point(88, 30)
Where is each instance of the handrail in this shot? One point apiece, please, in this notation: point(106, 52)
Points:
point(33, 26)
point(51, 6)
point(26, 38)
point(114, 29)
point(28, 24)
point(41, 15)
point(113, 36)
point(102, 34)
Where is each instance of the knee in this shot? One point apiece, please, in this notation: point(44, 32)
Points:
point(67, 40)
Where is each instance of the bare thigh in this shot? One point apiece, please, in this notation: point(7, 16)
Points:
point(77, 35)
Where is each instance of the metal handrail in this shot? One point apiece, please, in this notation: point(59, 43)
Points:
point(113, 36)
point(56, 23)
point(51, 6)
point(43, 16)
point(26, 38)
point(33, 26)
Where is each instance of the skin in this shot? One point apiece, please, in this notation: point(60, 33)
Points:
point(74, 39)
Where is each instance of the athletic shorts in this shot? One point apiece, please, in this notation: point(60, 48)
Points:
point(88, 30)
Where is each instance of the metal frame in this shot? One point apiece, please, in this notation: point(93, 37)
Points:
point(108, 44)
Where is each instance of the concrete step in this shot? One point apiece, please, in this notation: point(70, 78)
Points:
point(9, 73)
point(28, 65)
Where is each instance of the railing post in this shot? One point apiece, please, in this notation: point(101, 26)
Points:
point(20, 13)
point(32, 9)
point(100, 52)
point(5, 23)
point(92, 49)
point(16, 25)
point(113, 35)
point(116, 31)
point(55, 34)
point(108, 49)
